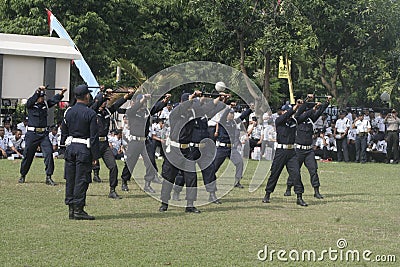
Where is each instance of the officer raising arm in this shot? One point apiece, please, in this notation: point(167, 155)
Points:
point(79, 132)
point(37, 132)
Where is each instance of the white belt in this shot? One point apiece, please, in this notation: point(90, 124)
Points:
point(178, 145)
point(136, 138)
point(34, 129)
point(303, 147)
point(200, 145)
point(285, 146)
point(223, 144)
point(71, 140)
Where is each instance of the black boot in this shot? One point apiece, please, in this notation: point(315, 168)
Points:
point(288, 189)
point(71, 211)
point(190, 208)
point(80, 214)
point(238, 184)
point(157, 180)
point(96, 176)
point(124, 186)
point(147, 187)
point(21, 180)
point(317, 194)
point(213, 198)
point(164, 207)
point(50, 181)
point(300, 200)
point(266, 198)
point(113, 194)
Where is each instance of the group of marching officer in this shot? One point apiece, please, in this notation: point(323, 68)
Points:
point(86, 124)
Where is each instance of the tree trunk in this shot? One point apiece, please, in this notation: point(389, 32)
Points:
point(267, 69)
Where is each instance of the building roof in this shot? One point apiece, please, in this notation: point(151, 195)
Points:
point(37, 46)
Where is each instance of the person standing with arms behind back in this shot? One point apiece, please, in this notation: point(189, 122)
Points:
point(79, 132)
point(37, 133)
point(392, 136)
point(342, 127)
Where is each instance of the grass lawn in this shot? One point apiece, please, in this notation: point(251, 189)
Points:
point(361, 205)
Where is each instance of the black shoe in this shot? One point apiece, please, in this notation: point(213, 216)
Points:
point(21, 180)
point(50, 181)
point(157, 180)
point(239, 185)
point(266, 198)
point(163, 208)
point(213, 198)
point(317, 194)
point(288, 191)
point(96, 179)
point(175, 196)
point(71, 212)
point(80, 214)
point(192, 210)
point(124, 186)
point(147, 188)
point(114, 194)
point(300, 201)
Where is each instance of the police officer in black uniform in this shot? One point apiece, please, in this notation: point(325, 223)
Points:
point(79, 132)
point(304, 140)
point(37, 133)
point(139, 143)
point(181, 142)
point(199, 152)
point(227, 141)
point(285, 154)
point(104, 114)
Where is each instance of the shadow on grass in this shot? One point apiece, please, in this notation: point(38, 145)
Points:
point(142, 215)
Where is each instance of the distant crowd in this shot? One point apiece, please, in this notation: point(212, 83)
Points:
point(258, 135)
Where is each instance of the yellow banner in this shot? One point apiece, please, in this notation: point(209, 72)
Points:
point(283, 69)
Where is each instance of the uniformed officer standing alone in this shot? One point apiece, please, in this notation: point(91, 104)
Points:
point(79, 132)
point(37, 133)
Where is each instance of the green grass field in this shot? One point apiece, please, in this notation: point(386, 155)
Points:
point(361, 205)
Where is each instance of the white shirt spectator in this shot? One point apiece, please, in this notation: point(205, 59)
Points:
point(256, 132)
point(351, 135)
point(320, 142)
point(362, 126)
point(21, 126)
point(3, 142)
point(18, 144)
point(379, 122)
point(269, 133)
point(53, 139)
point(342, 125)
point(117, 143)
point(165, 113)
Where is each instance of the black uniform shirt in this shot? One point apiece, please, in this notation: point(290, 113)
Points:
point(286, 128)
point(104, 116)
point(228, 130)
point(37, 112)
point(181, 122)
point(305, 127)
point(81, 122)
point(139, 117)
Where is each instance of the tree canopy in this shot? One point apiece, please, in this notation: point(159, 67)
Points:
point(349, 49)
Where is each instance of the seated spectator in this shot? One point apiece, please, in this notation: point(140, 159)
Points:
point(3, 143)
point(321, 147)
point(377, 152)
point(16, 145)
point(23, 125)
point(53, 136)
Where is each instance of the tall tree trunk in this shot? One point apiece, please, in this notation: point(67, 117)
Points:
point(267, 69)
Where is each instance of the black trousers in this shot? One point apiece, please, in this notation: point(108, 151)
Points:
point(361, 148)
point(307, 156)
point(207, 167)
point(282, 158)
point(392, 149)
point(170, 171)
point(342, 149)
point(78, 166)
point(32, 142)
point(135, 149)
point(109, 159)
point(234, 156)
point(253, 143)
